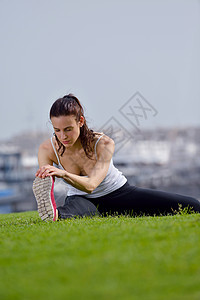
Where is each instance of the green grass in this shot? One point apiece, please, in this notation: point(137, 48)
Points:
point(100, 258)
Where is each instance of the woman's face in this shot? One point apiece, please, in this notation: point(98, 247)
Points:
point(67, 129)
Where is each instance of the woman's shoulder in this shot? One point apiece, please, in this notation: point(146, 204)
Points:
point(103, 139)
point(99, 134)
point(104, 145)
point(46, 146)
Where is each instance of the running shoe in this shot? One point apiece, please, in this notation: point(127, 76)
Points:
point(43, 192)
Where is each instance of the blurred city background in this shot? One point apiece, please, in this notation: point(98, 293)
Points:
point(135, 67)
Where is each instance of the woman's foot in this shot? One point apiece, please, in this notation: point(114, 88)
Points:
point(43, 192)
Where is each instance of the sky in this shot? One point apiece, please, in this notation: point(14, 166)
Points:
point(104, 52)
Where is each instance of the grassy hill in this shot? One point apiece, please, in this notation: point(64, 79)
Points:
point(100, 258)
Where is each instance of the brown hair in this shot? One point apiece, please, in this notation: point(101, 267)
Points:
point(70, 105)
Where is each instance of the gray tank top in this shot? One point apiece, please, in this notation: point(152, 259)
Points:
point(114, 179)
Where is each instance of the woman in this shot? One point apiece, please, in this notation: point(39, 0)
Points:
point(83, 159)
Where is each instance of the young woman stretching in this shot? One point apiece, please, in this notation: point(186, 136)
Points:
point(83, 159)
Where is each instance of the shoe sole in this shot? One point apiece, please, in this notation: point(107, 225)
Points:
point(43, 192)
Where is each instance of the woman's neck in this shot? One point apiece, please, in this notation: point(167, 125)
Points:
point(76, 147)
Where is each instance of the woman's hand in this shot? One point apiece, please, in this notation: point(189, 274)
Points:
point(49, 170)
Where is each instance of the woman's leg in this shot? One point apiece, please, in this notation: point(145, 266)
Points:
point(135, 200)
point(76, 206)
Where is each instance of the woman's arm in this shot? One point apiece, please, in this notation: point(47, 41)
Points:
point(44, 155)
point(105, 150)
point(45, 160)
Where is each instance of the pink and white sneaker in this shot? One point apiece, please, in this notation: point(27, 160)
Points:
point(43, 192)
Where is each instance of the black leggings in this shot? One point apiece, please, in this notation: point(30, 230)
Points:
point(130, 200)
